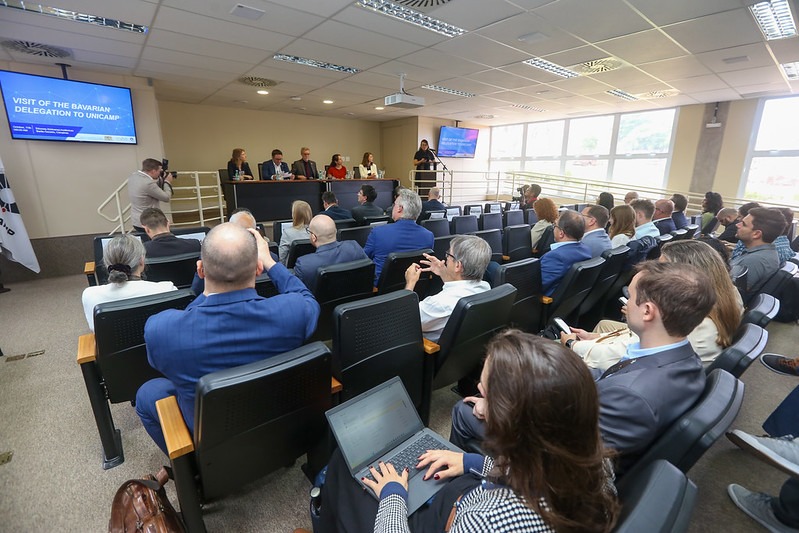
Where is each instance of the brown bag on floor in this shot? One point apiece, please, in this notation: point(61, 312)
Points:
point(141, 505)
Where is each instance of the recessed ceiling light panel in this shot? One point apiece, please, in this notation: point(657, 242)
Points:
point(791, 70)
point(621, 94)
point(411, 16)
point(528, 108)
point(314, 63)
point(550, 67)
point(73, 15)
point(774, 18)
point(448, 90)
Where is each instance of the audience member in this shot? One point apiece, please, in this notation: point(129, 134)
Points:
point(658, 380)
point(781, 243)
point(366, 208)
point(275, 168)
point(711, 204)
point(566, 250)
point(462, 273)
point(332, 209)
point(595, 236)
point(622, 225)
point(717, 245)
point(300, 218)
point(368, 168)
point(549, 471)
point(531, 194)
point(433, 202)
point(403, 235)
point(304, 168)
point(124, 259)
point(728, 217)
point(226, 326)
point(606, 200)
point(757, 232)
point(162, 242)
point(394, 194)
point(146, 189)
point(337, 169)
point(238, 164)
point(644, 209)
point(547, 213)
point(661, 217)
point(329, 251)
point(630, 196)
point(742, 212)
point(680, 202)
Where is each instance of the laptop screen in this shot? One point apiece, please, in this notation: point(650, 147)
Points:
point(437, 214)
point(200, 235)
point(105, 241)
point(453, 212)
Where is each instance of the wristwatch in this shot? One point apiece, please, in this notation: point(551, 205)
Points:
point(570, 342)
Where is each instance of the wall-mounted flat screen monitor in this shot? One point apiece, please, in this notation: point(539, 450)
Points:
point(52, 109)
point(457, 142)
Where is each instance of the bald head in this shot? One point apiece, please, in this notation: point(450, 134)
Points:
point(630, 196)
point(323, 230)
point(434, 193)
point(229, 258)
point(664, 208)
point(243, 219)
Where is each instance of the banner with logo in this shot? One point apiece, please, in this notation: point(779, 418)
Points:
point(14, 241)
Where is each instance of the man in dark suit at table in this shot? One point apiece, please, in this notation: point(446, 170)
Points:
point(270, 168)
point(366, 197)
point(164, 243)
point(304, 168)
point(329, 251)
point(433, 202)
point(332, 209)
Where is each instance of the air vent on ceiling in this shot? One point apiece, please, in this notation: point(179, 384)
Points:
point(598, 65)
point(422, 5)
point(651, 95)
point(487, 117)
point(36, 49)
point(255, 81)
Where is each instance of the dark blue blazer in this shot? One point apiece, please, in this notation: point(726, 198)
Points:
point(404, 235)
point(367, 209)
point(226, 330)
point(168, 244)
point(336, 213)
point(665, 225)
point(268, 169)
point(556, 262)
point(432, 205)
point(679, 219)
point(307, 266)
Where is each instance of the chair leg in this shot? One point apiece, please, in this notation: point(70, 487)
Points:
point(188, 494)
point(110, 437)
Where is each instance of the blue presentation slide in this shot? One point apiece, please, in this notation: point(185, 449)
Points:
point(457, 142)
point(41, 108)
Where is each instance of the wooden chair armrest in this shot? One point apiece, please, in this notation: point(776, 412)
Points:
point(430, 347)
point(374, 290)
point(506, 258)
point(546, 300)
point(176, 434)
point(87, 349)
point(88, 268)
point(335, 386)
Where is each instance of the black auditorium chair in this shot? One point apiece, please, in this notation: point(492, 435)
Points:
point(392, 277)
point(681, 234)
point(260, 171)
point(761, 310)
point(693, 230)
point(264, 286)
point(490, 221)
point(572, 290)
point(590, 311)
point(493, 207)
point(358, 234)
point(277, 229)
point(775, 283)
point(525, 275)
point(654, 253)
point(345, 223)
point(441, 246)
point(179, 269)
point(711, 226)
point(463, 224)
point(297, 249)
point(433, 213)
point(439, 226)
point(249, 421)
point(95, 271)
point(274, 248)
point(338, 284)
point(689, 437)
point(517, 243)
point(113, 359)
point(461, 347)
point(656, 499)
point(512, 217)
point(747, 345)
point(545, 242)
point(739, 275)
point(473, 209)
point(377, 221)
point(530, 216)
point(377, 339)
point(494, 239)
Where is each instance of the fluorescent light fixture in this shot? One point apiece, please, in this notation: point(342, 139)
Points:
point(314, 63)
point(774, 18)
point(327, 101)
point(262, 92)
point(528, 108)
point(448, 91)
point(791, 70)
point(73, 15)
point(410, 16)
point(379, 108)
point(550, 67)
point(621, 94)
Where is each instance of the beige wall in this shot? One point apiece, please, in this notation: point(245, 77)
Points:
point(686, 139)
point(59, 185)
point(738, 130)
point(399, 140)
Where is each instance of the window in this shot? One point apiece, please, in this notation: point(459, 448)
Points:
point(545, 139)
point(506, 141)
point(645, 133)
point(590, 136)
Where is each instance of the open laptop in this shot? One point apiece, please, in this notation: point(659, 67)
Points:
point(382, 425)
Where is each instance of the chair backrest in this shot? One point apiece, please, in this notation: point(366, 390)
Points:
point(545, 242)
point(494, 239)
point(654, 253)
point(517, 243)
point(377, 339)
point(345, 223)
point(297, 249)
point(693, 230)
point(358, 234)
point(493, 207)
point(179, 269)
point(762, 309)
point(376, 220)
point(119, 334)
point(265, 287)
point(256, 418)
point(453, 211)
point(614, 261)
point(525, 275)
point(433, 213)
point(657, 499)
point(473, 322)
point(639, 250)
point(512, 217)
point(490, 221)
point(473, 209)
point(439, 226)
point(574, 287)
point(277, 229)
point(463, 224)
point(260, 171)
point(710, 226)
point(775, 283)
point(356, 172)
point(739, 275)
point(392, 277)
point(338, 284)
point(684, 442)
point(530, 216)
point(223, 174)
point(749, 342)
point(441, 246)
point(681, 234)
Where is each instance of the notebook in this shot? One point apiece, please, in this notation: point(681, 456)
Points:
point(382, 425)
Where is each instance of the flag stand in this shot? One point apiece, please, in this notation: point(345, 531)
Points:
point(2, 290)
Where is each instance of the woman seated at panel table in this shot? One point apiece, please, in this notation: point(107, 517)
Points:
point(368, 168)
point(124, 260)
point(238, 164)
point(548, 471)
point(336, 169)
point(301, 215)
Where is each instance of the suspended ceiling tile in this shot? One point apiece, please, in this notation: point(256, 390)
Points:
point(481, 50)
point(722, 95)
point(785, 50)
point(221, 50)
point(739, 58)
point(473, 14)
point(277, 18)
point(543, 37)
point(675, 69)
point(642, 47)
point(354, 38)
point(662, 13)
point(761, 75)
point(332, 54)
point(714, 32)
point(383, 25)
point(594, 21)
point(706, 83)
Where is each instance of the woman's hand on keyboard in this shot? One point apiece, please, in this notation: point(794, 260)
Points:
point(443, 464)
point(384, 475)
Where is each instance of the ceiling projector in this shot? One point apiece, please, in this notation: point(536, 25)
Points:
point(404, 100)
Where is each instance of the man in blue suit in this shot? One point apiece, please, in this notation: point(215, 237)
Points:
point(270, 168)
point(322, 231)
point(661, 218)
point(433, 202)
point(226, 326)
point(680, 202)
point(332, 209)
point(565, 251)
point(404, 235)
point(595, 236)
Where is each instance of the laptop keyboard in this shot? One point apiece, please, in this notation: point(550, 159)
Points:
point(409, 457)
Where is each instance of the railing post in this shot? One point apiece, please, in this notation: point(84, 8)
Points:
point(199, 196)
point(219, 199)
point(121, 219)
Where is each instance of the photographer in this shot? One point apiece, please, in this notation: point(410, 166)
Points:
point(146, 188)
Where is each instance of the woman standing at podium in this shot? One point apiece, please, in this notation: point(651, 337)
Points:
point(336, 169)
point(238, 163)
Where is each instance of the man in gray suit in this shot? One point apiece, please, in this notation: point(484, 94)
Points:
point(304, 168)
point(329, 251)
point(659, 379)
point(595, 236)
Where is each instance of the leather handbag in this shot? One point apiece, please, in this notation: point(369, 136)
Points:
point(141, 505)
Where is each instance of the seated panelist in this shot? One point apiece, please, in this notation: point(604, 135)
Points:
point(238, 165)
point(275, 168)
point(368, 168)
point(336, 169)
point(304, 168)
